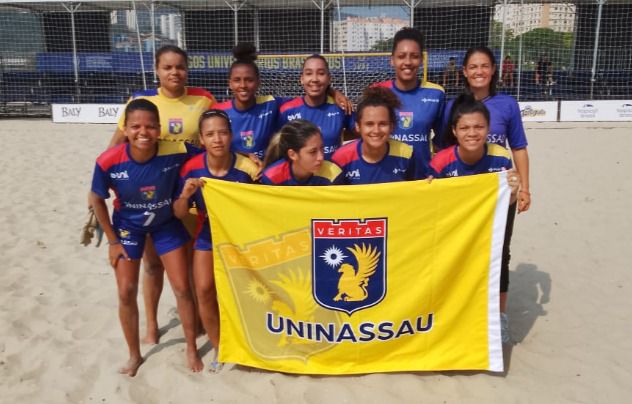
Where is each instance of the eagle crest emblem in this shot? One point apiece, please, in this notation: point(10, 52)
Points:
point(349, 263)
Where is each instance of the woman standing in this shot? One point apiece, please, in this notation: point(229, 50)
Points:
point(254, 119)
point(139, 174)
point(219, 163)
point(505, 129)
point(316, 106)
point(421, 102)
point(180, 109)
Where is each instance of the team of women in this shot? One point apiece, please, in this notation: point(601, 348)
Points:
point(154, 167)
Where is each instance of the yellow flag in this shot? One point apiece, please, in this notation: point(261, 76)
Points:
point(359, 279)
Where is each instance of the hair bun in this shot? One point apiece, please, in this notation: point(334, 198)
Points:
point(246, 52)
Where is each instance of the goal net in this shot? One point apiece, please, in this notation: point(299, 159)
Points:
point(102, 51)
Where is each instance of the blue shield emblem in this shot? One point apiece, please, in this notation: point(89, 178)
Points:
point(349, 263)
point(405, 120)
point(176, 126)
point(247, 139)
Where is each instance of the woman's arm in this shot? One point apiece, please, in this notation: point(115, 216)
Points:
point(116, 250)
point(181, 205)
point(521, 162)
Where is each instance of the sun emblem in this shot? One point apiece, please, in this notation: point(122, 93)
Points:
point(333, 256)
point(258, 291)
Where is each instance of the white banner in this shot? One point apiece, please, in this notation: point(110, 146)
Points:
point(612, 110)
point(87, 113)
point(538, 111)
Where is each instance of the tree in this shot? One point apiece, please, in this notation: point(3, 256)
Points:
point(383, 45)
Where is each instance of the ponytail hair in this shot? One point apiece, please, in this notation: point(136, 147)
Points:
point(292, 136)
point(464, 104)
point(245, 54)
point(378, 97)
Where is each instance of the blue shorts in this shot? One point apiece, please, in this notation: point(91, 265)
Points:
point(166, 237)
point(203, 240)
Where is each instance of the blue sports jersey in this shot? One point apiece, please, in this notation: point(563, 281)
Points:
point(280, 173)
point(420, 111)
point(505, 126)
point(329, 117)
point(242, 170)
point(399, 164)
point(144, 191)
point(253, 128)
point(447, 162)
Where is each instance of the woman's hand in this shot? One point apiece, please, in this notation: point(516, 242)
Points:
point(190, 186)
point(343, 102)
point(116, 252)
point(255, 159)
point(524, 200)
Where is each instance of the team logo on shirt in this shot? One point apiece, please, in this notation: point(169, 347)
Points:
point(349, 263)
point(247, 139)
point(148, 193)
point(405, 120)
point(176, 126)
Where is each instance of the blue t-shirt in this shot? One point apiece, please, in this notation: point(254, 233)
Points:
point(253, 128)
point(329, 117)
point(242, 170)
point(280, 173)
point(144, 191)
point(448, 163)
point(420, 111)
point(399, 164)
point(505, 126)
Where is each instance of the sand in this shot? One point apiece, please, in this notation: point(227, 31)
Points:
point(569, 307)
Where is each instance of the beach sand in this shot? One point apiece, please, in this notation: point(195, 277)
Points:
point(569, 301)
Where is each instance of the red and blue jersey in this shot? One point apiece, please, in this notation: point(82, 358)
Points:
point(280, 173)
point(399, 164)
point(329, 117)
point(144, 191)
point(242, 170)
point(505, 121)
point(448, 163)
point(253, 128)
point(178, 116)
point(420, 111)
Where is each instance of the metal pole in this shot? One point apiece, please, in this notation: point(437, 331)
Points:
point(596, 49)
point(344, 67)
point(322, 26)
point(75, 59)
point(519, 60)
point(502, 41)
point(411, 5)
point(140, 45)
point(152, 12)
point(257, 28)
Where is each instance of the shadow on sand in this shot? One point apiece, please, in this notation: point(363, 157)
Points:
point(529, 291)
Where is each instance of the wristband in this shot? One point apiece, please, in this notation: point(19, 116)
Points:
point(526, 192)
point(114, 242)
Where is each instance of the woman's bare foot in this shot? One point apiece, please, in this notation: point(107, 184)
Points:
point(152, 337)
point(194, 361)
point(131, 367)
